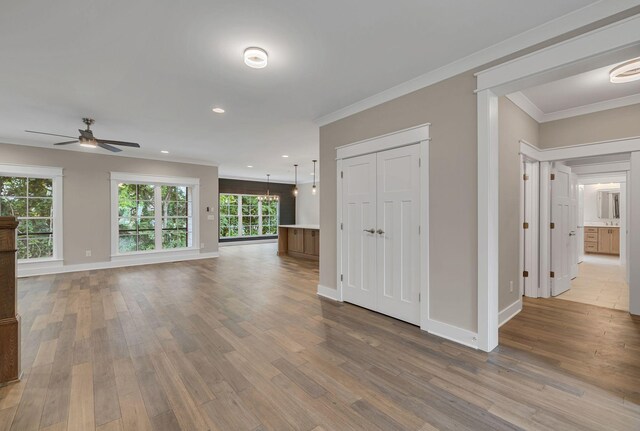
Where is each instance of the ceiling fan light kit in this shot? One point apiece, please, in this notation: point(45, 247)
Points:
point(87, 140)
point(626, 72)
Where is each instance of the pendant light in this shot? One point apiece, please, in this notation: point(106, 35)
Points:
point(268, 197)
point(295, 188)
point(314, 189)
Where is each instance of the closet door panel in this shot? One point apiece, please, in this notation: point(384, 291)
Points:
point(359, 243)
point(398, 245)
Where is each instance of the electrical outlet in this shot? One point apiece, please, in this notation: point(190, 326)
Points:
point(87, 253)
point(511, 286)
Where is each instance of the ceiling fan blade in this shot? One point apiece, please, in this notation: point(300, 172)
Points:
point(66, 142)
point(124, 144)
point(109, 147)
point(51, 134)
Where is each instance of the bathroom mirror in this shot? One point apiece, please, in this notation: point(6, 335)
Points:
point(608, 204)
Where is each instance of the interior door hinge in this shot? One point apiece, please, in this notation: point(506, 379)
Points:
point(419, 297)
point(525, 273)
point(552, 225)
point(419, 162)
point(341, 277)
point(553, 177)
point(525, 225)
point(525, 177)
point(341, 226)
point(341, 174)
point(419, 230)
point(552, 275)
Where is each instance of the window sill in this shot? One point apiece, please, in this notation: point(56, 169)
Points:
point(45, 263)
point(127, 256)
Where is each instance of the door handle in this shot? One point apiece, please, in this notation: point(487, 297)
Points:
point(380, 231)
point(372, 230)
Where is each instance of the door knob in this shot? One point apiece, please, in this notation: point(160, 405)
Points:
point(380, 231)
point(372, 230)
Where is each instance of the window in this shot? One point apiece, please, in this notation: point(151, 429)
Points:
point(244, 216)
point(33, 196)
point(152, 216)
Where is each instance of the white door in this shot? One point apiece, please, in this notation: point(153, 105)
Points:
point(573, 228)
point(560, 239)
point(359, 225)
point(398, 244)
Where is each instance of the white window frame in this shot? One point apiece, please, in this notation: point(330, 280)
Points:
point(55, 175)
point(155, 180)
point(239, 215)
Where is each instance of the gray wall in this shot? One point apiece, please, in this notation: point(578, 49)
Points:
point(87, 198)
point(514, 125)
point(600, 126)
point(308, 204)
point(450, 107)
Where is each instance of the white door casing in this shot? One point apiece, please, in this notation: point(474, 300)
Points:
point(573, 228)
point(560, 234)
point(359, 238)
point(398, 221)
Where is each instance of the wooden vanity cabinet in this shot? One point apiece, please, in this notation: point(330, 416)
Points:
point(603, 240)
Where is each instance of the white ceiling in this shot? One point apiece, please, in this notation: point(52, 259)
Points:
point(150, 71)
point(576, 95)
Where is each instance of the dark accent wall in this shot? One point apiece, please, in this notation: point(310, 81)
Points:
point(285, 191)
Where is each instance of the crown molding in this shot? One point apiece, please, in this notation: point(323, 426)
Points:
point(556, 27)
point(254, 179)
point(524, 103)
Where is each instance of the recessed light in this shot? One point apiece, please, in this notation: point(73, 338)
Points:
point(164, 152)
point(249, 166)
point(285, 156)
point(255, 57)
point(626, 72)
point(218, 110)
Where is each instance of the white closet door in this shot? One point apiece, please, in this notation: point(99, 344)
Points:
point(560, 234)
point(398, 244)
point(359, 237)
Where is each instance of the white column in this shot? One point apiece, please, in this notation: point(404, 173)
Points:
point(488, 210)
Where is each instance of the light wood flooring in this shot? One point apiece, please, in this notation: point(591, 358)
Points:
point(242, 342)
point(601, 282)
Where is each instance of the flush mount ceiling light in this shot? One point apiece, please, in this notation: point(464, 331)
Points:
point(218, 110)
point(249, 166)
point(255, 57)
point(164, 152)
point(285, 156)
point(626, 72)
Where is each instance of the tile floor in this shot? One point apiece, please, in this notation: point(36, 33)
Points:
point(600, 282)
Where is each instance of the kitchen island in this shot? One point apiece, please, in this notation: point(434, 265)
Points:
point(299, 240)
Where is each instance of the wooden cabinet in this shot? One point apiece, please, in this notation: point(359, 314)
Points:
point(312, 242)
point(296, 240)
point(604, 240)
point(299, 241)
point(9, 319)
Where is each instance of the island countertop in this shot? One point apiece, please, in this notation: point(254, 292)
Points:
point(301, 226)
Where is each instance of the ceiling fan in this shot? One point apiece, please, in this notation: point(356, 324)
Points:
point(87, 139)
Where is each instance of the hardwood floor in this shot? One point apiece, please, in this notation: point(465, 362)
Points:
point(242, 342)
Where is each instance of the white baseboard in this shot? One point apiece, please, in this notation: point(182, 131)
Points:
point(120, 263)
point(254, 241)
point(453, 333)
point(510, 312)
point(328, 292)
